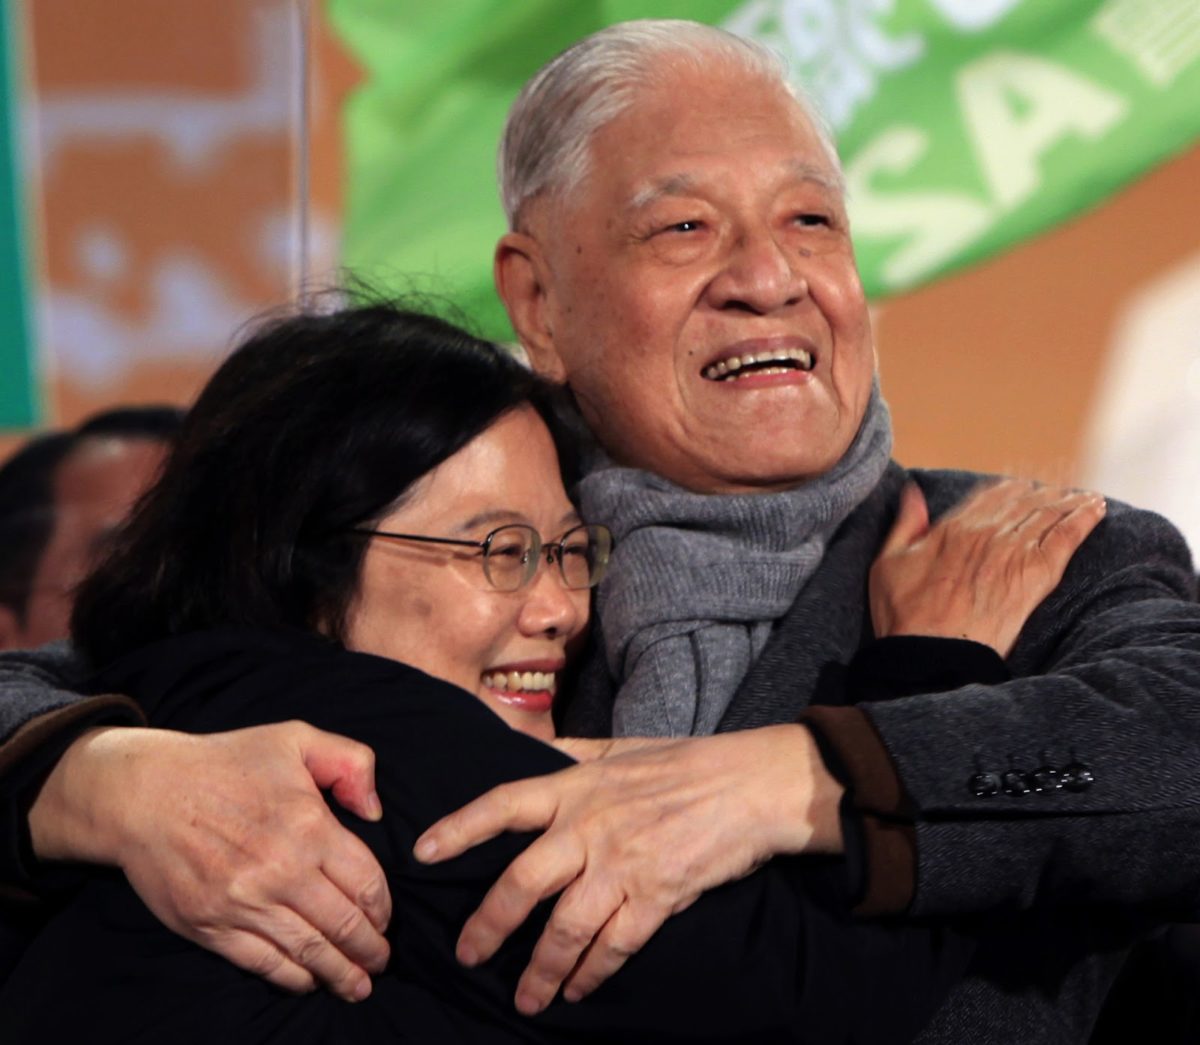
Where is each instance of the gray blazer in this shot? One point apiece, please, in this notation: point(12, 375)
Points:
point(1107, 676)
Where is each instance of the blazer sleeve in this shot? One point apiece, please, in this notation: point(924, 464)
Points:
point(1078, 780)
point(41, 714)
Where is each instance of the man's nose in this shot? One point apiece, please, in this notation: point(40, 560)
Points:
point(760, 274)
point(550, 608)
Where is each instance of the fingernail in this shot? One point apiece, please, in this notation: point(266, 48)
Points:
point(572, 994)
point(425, 850)
point(467, 955)
point(374, 807)
point(528, 1004)
point(362, 989)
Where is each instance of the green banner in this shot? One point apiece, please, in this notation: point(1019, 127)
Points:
point(964, 126)
point(18, 399)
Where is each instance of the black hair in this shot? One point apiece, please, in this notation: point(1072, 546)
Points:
point(317, 424)
point(155, 422)
point(27, 514)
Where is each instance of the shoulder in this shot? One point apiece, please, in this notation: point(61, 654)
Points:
point(228, 678)
point(1127, 535)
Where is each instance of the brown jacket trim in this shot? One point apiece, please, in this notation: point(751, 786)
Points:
point(48, 728)
point(865, 766)
point(891, 859)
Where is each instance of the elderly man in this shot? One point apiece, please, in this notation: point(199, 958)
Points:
point(680, 257)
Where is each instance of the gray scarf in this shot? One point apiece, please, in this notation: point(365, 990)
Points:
point(697, 581)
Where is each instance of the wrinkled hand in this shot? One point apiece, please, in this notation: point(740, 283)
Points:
point(982, 569)
point(227, 839)
point(632, 838)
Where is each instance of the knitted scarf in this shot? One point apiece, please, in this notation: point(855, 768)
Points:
point(697, 581)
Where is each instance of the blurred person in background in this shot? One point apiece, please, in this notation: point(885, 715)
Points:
point(61, 496)
point(27, 587)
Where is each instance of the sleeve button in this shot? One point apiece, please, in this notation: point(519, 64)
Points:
point(1015, 783)
point(1078, 776)
point(1046, 778)
point(984, 785)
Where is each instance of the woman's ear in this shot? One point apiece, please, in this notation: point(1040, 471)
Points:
point(522, 282)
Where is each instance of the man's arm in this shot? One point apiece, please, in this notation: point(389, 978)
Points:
point(632, 839)
point(1107, 688)
point(226, 838)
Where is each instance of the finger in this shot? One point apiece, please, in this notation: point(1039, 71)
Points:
point(261, 958)
point(524, 805)
point(986, 498)
point(353, 869)
point(325, 906)
point(1063, 539)
point(307, 946)
point(1037, 516)
point(345, 767)
point(547, 866)
point(581, 913)
point(625, 933)
point(912, 520)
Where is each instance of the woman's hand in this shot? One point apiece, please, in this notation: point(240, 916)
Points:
point(983, 568)
point(228, 840)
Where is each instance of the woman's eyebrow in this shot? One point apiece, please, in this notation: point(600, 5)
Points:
point(492, 515)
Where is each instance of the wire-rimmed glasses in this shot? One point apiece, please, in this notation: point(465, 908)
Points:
point(511, 554)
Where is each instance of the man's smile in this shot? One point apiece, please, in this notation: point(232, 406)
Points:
point(736, 367)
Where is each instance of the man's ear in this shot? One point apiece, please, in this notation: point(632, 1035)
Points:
point(521, 276)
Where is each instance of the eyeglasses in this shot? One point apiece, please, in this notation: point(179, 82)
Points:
point(511, 554)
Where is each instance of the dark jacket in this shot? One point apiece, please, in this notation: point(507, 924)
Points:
point(772, 958)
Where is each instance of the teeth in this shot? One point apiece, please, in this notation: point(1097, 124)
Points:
point(516, 681)
point(728, 368)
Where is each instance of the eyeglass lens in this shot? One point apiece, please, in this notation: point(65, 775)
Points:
point(512, 554)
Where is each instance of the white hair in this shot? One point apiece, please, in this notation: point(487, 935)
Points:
point(546, 139)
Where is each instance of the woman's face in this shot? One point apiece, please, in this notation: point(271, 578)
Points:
point(431, 606)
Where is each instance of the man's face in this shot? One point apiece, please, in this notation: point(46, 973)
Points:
point(710, 232)
point(94, 488)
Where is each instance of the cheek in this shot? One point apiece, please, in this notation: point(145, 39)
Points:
point(838, 293)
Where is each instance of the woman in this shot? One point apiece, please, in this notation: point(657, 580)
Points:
point(364, 526)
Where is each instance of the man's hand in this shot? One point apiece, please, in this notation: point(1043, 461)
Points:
point(227, 839)
point(632, 838)
point(982, 569)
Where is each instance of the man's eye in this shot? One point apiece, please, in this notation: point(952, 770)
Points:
point(684, 226)
point(812, 219)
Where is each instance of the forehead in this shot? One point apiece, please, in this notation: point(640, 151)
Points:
point(691, 130)
point(103, 469)
point(507, 473)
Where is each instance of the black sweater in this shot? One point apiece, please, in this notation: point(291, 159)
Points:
point(774, 957)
